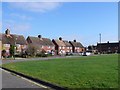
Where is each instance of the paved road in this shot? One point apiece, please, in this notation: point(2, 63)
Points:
point(11, 81)
point(28, 59)
point(33, 59)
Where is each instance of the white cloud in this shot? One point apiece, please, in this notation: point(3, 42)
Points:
point(20, 16)
point(20, 28)
point(35, 6)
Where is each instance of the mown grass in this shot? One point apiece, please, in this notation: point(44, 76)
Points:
point(81, 72)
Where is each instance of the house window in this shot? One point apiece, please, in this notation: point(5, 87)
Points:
point(70, 47)
point(24, 46)
point(52, 47)
point(67, 47)
point(68, 51)
point(18, 45)
point(48, 46)
point(7, 51)
point(59, 47)
point(63, 47)
point(6, 45)
point(63, 52)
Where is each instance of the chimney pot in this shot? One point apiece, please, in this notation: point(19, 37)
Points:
point(7, 32)
point(74, 40)
point(39, 36)
point(60, 38)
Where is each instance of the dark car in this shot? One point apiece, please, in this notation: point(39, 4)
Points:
point(84, 54)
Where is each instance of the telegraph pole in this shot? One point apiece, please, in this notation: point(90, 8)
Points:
point(100, 42)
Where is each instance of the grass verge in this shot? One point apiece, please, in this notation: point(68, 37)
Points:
point(81, 72)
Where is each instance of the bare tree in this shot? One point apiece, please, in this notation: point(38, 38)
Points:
point(31, 50)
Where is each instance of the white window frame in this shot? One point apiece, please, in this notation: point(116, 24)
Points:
point(59, 47)
point(53, 47)
point(6, 45)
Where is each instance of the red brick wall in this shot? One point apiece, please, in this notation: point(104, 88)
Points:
point(18, 49)
point(62, 50)
point(78, 49)
point(69, 49)
point(48, 48)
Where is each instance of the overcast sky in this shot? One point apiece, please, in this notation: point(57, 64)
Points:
point(69, 20)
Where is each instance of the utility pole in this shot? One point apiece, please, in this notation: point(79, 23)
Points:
point(100, 42)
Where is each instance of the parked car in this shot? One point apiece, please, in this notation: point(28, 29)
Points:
point(86, 53)
point(69, 53)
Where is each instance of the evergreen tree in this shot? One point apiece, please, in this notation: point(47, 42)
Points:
point(12, 50)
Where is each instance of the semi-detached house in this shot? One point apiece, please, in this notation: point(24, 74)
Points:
point(8, 39)
point(77, 47)
point(41, 43)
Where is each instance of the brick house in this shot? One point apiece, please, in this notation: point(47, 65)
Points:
point(60, 46)
point(108, 47)
point(77, 47)
point(41, 43)
point(68, 48)
point(12, 39)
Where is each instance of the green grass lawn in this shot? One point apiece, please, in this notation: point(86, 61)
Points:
point(81, 72)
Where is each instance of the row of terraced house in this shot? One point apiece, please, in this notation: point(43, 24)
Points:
point(59, 46)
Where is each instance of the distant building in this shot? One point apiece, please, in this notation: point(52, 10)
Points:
point(41, 43)
point(108, 47)
point(92, 49)
point(9, 39)
point(63, 46)
point(77, 47)
point(60, 46)
point(68, 48)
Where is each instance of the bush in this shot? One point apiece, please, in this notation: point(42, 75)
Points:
point(4, 53)
point(41, 55)
point(31, 50)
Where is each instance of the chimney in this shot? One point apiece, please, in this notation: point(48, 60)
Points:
point(39, 36)
point(7, 32)
point(60, 38)
point(108, 42)
point(74, 40)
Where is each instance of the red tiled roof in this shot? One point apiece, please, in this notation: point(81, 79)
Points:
point(12, 38)
point(59, 43)
point(76, 44)
point(40, 41)
point(67, 43)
